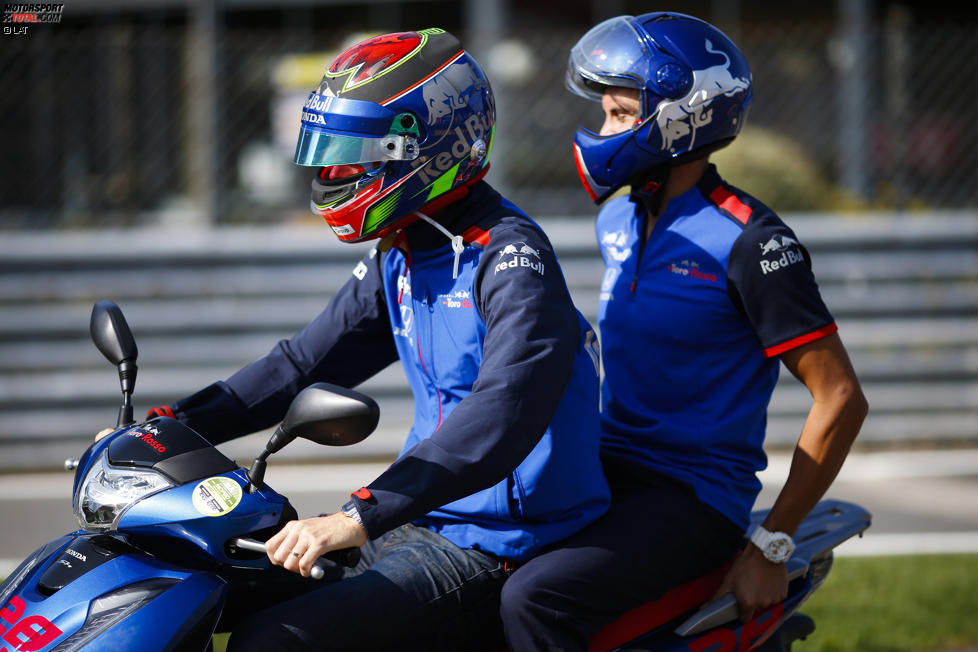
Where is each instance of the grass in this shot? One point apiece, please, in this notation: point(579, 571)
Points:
point(888, 604)
point(896, 604)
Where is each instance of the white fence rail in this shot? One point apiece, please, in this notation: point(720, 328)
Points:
point(904, 290)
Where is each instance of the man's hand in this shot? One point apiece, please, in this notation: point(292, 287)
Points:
point(103, 433)
point(300, 543)
point(755, 582)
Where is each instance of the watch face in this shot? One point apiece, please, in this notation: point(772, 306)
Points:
point(779, 549)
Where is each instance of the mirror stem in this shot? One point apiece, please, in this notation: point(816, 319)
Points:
point(127, 375)
point(125, 411)
point(256, 474)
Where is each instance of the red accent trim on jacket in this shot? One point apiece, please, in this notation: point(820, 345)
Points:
point(362, 493)
point(475, 235)
point(801, 339)
point(730, 203)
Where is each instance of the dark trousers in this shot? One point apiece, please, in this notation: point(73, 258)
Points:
point(655, 536)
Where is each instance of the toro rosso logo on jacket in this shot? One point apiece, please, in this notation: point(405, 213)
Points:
point(690, 269)
point(519, 254)
point(457, 299)
point(783, 245)
point(368, 60)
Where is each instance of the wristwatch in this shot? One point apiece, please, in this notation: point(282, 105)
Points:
point(350, 509)
point(777, 547)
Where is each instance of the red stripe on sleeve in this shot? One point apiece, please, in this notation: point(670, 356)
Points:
point(729, 202)
point(801, 339)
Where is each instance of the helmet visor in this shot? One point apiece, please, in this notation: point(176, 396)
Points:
point(336, 131)
point(318, 148)
point(611, 53)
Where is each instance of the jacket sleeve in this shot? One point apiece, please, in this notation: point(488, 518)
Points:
point(345, 344)
point(531, 339)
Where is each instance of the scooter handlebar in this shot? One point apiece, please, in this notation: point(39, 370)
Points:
point(348, 557)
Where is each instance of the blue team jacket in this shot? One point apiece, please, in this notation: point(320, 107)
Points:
point(503, 454)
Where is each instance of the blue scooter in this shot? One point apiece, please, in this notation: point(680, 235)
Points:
point(166, 520)
point(171, 524)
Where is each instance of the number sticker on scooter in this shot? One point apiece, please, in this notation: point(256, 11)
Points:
point(31, 633)
point(217, 496)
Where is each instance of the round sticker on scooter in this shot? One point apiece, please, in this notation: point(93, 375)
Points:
point(217, 496)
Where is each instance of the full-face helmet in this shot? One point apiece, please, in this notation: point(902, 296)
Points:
point(397, 122)
point(694, 87)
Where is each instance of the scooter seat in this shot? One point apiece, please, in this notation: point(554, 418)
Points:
point(646, 617)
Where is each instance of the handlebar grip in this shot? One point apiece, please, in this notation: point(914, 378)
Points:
point(348, 557)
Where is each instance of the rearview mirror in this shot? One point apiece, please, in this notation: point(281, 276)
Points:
point(323, 413)
point(330, 415)
point(112, 336)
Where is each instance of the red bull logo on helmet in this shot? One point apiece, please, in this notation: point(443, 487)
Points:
point(678, 119)
point(475, 129)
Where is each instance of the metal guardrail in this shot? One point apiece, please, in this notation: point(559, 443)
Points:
point(904, 290)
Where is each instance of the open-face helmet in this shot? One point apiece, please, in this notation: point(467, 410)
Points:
point(694, 87)
point(399, 121)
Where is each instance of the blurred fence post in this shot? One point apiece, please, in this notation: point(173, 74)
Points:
point(897, 53)
point(853, 47)
point(485, 27)
point(202, 107)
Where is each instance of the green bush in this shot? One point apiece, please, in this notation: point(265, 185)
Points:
point(779, 172)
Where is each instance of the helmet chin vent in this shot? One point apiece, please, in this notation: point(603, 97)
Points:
point(332, 191)
point(329, 191)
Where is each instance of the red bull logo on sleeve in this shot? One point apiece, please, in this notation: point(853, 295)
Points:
point(519, 254)
point(788, 248)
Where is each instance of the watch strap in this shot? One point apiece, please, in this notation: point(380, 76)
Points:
point(349, 508)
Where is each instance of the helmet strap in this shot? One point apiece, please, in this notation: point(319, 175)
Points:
point(648, 188)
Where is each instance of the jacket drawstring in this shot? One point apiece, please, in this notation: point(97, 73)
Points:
point(458, 245)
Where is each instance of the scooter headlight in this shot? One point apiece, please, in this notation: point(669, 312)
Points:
point(108, 490)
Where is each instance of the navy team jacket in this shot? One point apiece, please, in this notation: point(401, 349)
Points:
point(503, 454)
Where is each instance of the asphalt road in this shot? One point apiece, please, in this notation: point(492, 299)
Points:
point(921, 501)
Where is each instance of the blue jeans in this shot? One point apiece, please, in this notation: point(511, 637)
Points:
point(412, 590)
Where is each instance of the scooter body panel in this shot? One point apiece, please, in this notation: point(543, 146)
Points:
point(105, 598)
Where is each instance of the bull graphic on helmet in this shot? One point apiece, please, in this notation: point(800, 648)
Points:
point(680, 118)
